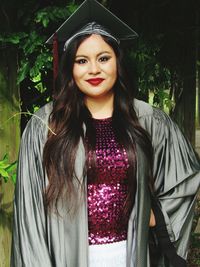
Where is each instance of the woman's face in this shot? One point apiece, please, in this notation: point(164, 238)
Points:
point(95, 68)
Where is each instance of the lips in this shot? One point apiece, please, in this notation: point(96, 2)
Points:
point(95, 81)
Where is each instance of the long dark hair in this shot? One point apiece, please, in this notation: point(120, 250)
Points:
point(67, 118)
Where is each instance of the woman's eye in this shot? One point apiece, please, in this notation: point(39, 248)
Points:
point(104, 58)
point(81, 61)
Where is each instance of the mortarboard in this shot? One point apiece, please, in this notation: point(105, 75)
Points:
point(89, 11)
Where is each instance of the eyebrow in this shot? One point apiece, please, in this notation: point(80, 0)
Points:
point(104, 52)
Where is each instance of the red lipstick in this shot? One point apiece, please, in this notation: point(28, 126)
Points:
point(95, 81)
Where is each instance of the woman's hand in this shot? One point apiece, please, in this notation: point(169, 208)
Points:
point(152, 221)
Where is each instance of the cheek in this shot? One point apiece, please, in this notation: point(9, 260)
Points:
point(79, 71)
point(113, 72)
point(77, 74)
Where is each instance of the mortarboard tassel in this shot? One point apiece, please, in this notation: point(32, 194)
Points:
point(55, 58)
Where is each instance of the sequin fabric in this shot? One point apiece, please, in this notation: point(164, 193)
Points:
point(107, 222)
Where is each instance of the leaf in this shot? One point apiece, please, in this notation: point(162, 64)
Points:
point(7, 169)
point(5, 158)
point(22, 73)
point(4, 162)
point(14, 177)
point(34, 71)
point(14, 38)
point(4, 173)
point(4, 165)
point(45, 22)
point(48, 99)
point(11, 167)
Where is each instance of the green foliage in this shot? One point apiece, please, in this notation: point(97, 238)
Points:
point(34, 56)
point(153, 77)
point(13, 38)
point(7, 170)
point(53, 14)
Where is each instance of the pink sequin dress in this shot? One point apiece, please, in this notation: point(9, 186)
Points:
point(107, 222)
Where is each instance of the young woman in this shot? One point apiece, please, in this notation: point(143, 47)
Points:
point(109, 177)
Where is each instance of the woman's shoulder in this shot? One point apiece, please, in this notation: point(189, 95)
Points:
point(146, 111)
point(41, 116)
point(154, 120)
point(142, 108)
point(44, 112)
point(38, 123)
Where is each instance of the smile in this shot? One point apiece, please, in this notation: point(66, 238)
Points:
point(95, 81)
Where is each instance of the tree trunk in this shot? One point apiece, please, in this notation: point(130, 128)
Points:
point(9, 143)
point(198, 68)
point(185, 109)
point(198, 97)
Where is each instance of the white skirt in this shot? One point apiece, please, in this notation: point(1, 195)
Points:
point(108, 255)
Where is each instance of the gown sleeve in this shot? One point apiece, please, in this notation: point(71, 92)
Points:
point(29, 242)
point(177, 177)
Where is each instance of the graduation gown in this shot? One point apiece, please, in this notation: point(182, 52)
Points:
point(49, 240)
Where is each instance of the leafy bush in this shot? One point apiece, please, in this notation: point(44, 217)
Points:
point(7, 169)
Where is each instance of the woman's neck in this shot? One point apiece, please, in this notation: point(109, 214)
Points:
point(101, 107)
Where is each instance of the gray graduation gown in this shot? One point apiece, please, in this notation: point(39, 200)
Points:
point(48, 240)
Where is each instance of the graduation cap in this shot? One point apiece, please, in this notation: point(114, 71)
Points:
point(89, 11)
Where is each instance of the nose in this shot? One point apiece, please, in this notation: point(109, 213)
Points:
point(94, 68)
